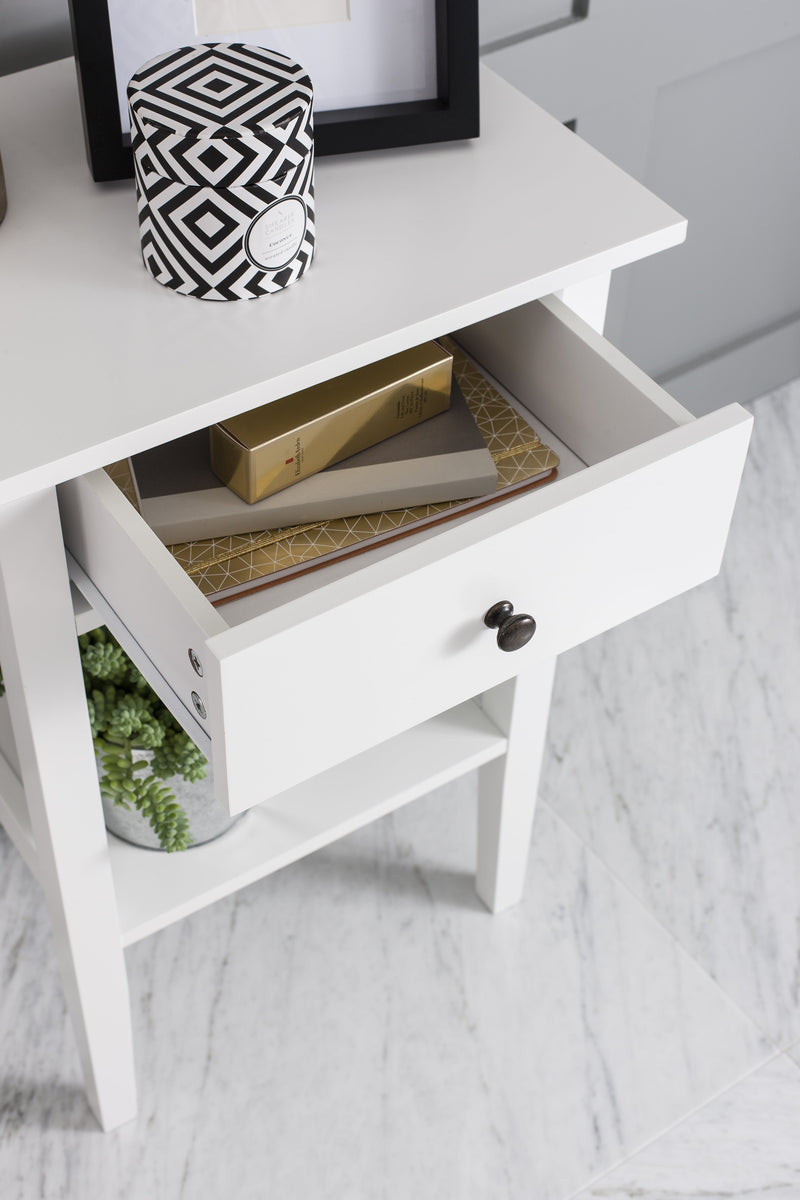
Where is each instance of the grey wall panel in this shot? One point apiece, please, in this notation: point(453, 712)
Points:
point(503, 19)
point(743, 371)
point(725, 151)
point(33, 32)
point(699, 101)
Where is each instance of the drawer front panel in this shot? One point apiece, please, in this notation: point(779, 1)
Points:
point(306, 684)
point(328, 687)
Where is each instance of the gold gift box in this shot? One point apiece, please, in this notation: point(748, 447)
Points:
point(267, 449)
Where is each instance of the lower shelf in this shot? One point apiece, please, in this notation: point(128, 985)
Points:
point(155, 889)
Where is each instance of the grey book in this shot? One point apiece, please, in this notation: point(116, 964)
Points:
point(443, 458)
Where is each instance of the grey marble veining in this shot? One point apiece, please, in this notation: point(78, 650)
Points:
point(744, 1143)
point(675, 745)
point(358, 1025)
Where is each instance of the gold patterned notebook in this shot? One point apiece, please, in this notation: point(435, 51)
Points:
point(226, 567)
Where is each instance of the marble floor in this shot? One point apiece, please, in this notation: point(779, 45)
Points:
point(357, 1027)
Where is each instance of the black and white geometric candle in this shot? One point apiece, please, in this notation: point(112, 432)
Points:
point(223, 149)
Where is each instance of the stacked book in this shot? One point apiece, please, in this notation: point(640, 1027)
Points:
point(473, 452)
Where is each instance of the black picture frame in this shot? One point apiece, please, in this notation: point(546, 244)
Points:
point(453, 114)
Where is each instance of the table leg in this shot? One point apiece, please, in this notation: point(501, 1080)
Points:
point(508, 786)
point(589, 299)
point(41, 667)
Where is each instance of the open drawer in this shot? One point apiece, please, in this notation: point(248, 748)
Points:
point(300, 677)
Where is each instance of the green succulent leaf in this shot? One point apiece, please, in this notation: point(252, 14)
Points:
point(125, 715)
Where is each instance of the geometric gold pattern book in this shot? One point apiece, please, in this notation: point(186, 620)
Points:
point(226, 567)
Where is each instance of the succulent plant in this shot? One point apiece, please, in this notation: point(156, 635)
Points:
point(126, 716)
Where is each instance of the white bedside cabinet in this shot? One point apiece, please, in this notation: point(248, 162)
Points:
point(370, 682)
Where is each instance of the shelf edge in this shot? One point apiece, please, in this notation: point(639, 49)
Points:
point(296, 823)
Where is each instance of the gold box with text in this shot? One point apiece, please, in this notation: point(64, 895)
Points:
point(269, 448)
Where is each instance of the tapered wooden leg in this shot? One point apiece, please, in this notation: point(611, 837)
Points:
point(508, 786)
point(42, 674)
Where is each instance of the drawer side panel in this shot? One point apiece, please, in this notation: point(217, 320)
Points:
point(139, 580)
point(573, 379)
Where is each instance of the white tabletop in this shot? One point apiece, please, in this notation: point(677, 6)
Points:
point(97, 360)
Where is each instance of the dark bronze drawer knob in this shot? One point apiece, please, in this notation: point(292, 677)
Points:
point(514, 630)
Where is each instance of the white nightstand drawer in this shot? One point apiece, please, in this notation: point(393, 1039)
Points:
point(307, 674)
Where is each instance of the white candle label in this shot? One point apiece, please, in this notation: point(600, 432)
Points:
point(276, 235)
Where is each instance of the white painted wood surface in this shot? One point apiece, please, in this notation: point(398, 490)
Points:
point(145, 588)
point(559, 367)
point(42, 673)
point(301, 820)
point(509, 786)
point(598, 554)
point(96, 613)
point(127, 364)
point(588, 299)
point(582, 554)
point(14, 815)
point(528, 209)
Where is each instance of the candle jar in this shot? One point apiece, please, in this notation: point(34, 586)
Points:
point(223, 150)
